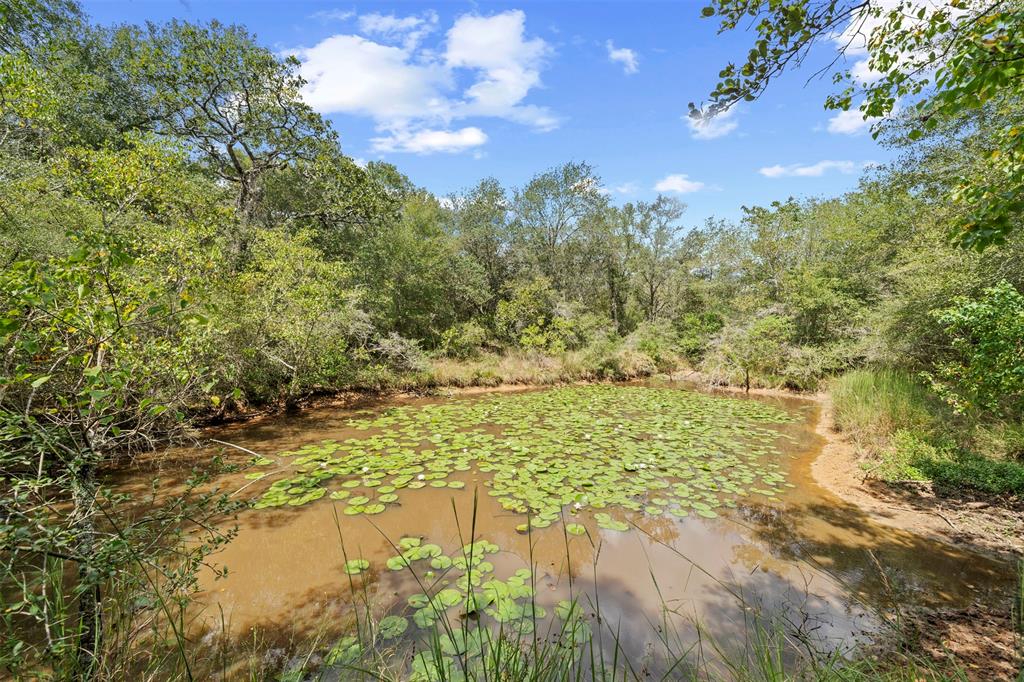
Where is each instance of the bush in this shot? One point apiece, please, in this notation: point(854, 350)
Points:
point(635, 364)
point(807, 366)
point(601, 359)
point(1000, 440)
point(744, 351)
point(531, 303)
point(695, 333)
point(986, 373)
point(464, 340)
point(659, 343)
point(970, 471)
point(901, 459)
point(400, 354)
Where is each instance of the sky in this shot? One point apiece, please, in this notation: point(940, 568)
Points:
point(452, 92)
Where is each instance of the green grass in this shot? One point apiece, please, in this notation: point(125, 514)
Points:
point(872, 405)
point(906, 433)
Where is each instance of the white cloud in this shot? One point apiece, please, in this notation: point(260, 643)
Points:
point(712, 127)
point(814, 170)
point(409, 31)
point(333, 15)
point(507, 66)
point(624, 56)
point(350, 74)
point(626, 188)
point(679, 183)
point(851, 122)
point(413, 93)
point(430, 141)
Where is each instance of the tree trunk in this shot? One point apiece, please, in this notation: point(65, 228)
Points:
point(746, 379)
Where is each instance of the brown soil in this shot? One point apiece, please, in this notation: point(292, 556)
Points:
point(988, 525)
point(977, 641)
point(981, 640)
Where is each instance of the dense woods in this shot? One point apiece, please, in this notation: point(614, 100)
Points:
point(183, 238)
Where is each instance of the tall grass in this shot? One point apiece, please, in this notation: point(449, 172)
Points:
point(906, 433)
point(872, 405)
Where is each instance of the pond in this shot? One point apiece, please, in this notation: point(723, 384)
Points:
point(647, 522)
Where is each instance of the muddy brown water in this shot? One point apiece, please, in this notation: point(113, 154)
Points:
point(807, 559)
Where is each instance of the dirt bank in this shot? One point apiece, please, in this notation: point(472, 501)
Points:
point(961, 520)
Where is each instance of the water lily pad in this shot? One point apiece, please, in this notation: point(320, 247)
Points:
point(392, 626)
point(448, 597)
point(345, 652)
point(355, 566)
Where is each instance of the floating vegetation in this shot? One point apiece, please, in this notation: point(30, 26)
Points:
point(355, 566)
point(391, 627)
point(655, 450)
point(467, 614)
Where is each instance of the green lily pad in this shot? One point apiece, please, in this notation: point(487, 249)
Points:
point(355, 566)
point(392, 626)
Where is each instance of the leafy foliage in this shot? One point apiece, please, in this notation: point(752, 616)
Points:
point(987, 372)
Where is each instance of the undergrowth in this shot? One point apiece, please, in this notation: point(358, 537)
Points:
point(906, 433)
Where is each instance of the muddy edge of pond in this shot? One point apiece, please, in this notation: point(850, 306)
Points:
point(964, 521)
point(975, 523)
point(982, 638)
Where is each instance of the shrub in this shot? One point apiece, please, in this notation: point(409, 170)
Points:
point(601, 358)
point(759, 347)
point(658, 342)
point(531, 303)
point(695, 333)
point(400, 354)
point(970, 471)
point(634, 364)
point(901, 458)
point(986, 373)
point(464, 340)
point(807, 365)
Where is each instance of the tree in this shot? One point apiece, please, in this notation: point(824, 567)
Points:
point(760, 346)
point(236, 103)
point(610, 248)
point(25, 24)
point(656, 235)
point(550, 213)
point(416, 281)
point(480, 222)
point(949, 59)
point(89, 374)
point(328, 196)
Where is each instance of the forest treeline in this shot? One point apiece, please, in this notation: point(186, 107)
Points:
point(182, 235)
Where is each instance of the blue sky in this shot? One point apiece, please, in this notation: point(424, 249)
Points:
point(452, 92)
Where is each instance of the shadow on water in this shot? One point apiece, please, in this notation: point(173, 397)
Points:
point(807, 559)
